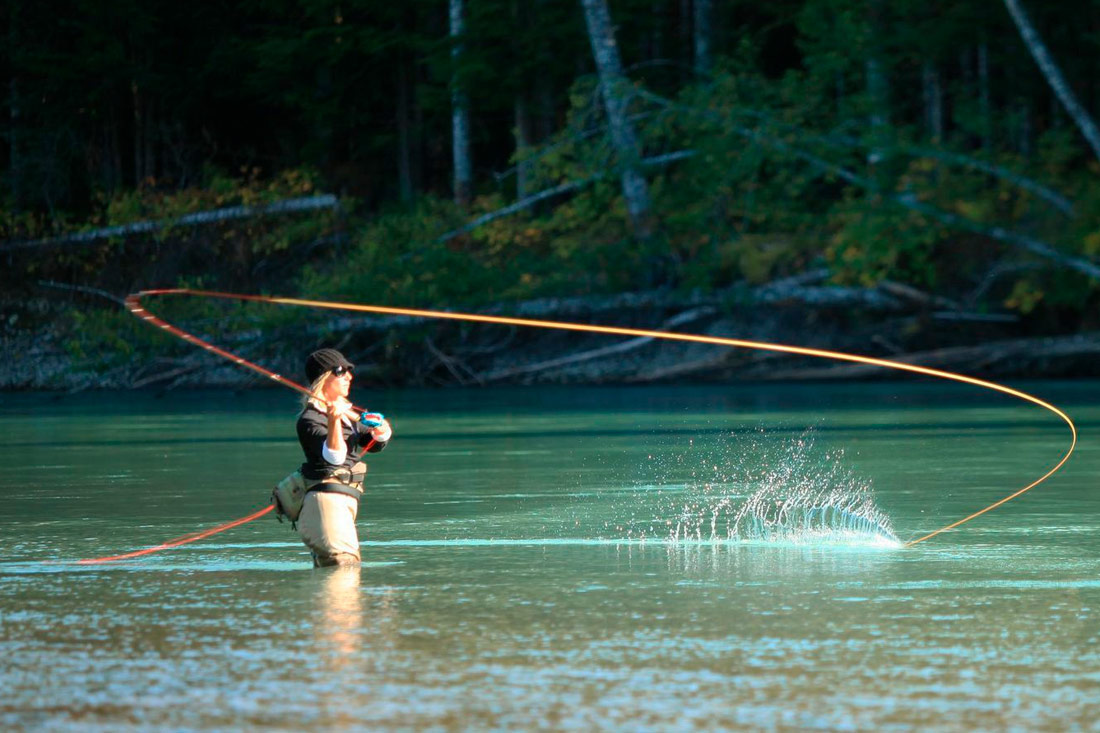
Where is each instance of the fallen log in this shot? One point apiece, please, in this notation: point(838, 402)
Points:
point(614, 349)
point(322, 201)
point(563, 188)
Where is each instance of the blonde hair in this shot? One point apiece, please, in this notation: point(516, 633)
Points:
point(315, 397)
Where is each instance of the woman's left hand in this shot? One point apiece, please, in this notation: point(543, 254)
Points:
point(383, 432)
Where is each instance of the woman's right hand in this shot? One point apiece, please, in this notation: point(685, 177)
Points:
point(336, 409)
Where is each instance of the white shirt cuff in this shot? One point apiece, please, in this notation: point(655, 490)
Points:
point(336, 458)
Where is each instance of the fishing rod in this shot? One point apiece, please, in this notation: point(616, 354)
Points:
point(133, 303)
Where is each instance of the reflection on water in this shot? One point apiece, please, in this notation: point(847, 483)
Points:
point(353, 622)
point(340, 616)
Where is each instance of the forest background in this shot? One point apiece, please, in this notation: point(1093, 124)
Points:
point(917, 180)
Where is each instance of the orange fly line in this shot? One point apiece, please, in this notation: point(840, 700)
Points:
point(133, 302)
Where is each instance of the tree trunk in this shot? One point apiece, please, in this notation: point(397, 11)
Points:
point(460, 114)
point(933, 100)
point(522, 18)
point(876, 92)
point(139, 129)
point(877, 87)
point(543, 102)
point(984, 104)
point(419, 153)
point(15, 160)
point(613, 88)
point(1054, 76)
point(523, 146)
point(701, 29)
point(149, 139)
point(684, 36)
point(656, 35)
point(544, 108)
point(111, 166)
point(404, 139)
point(1023, 127)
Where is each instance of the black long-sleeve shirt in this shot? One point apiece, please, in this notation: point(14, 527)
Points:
point(312, 434)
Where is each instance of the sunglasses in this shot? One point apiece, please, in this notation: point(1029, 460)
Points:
point(342, 370)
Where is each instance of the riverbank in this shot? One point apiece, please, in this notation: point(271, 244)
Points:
point(51, 344)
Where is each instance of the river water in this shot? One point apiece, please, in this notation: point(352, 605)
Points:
point(696, 557)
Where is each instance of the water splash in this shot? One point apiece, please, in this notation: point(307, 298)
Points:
point(747, 490)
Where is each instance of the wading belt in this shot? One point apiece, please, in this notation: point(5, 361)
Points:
point(342, 480)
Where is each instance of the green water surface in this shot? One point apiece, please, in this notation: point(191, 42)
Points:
point(560, 558)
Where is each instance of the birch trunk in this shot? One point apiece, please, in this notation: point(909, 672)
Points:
point(876, 92)
point(1054, 76)
point(877, 87)
point(612, 88)
point(460, 114)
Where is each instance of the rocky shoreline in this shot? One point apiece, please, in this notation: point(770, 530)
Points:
point(883, 322)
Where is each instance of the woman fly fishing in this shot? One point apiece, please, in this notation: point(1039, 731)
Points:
point(334, 437)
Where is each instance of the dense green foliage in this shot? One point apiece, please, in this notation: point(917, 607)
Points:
point(879, 140)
